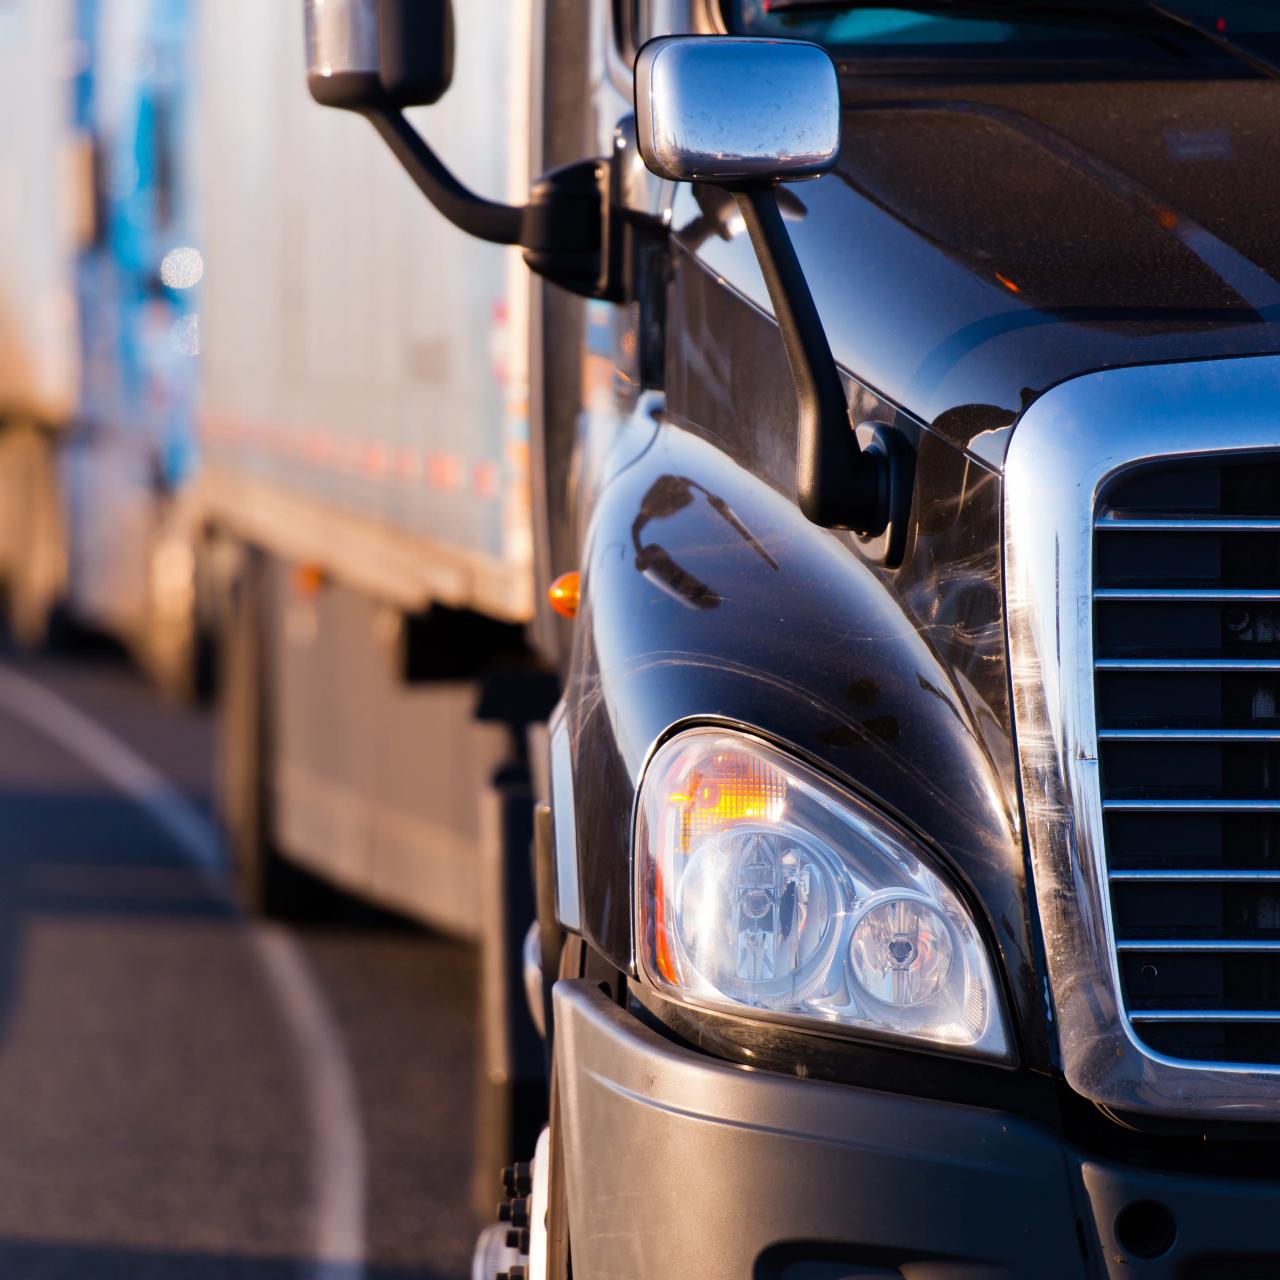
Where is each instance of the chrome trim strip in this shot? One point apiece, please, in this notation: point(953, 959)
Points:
point(1189, 595)
point(1206, 1015)
point(1211, 525)
point(1259, 946)
point(1189, 735)
point(1191, 806)
point(341, 36)
point(1198, 876)
point(1064, 451)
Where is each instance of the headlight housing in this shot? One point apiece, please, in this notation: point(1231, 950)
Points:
point(764, 889)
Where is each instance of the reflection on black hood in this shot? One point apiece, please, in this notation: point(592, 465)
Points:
point(981, 243)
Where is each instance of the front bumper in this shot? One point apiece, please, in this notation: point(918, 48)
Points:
point(680, 1165)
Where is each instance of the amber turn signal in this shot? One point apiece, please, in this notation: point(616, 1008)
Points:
point(563, 594)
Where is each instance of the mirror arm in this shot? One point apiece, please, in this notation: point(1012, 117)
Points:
point(564, 230)
point(840, 486)
point(485, 219)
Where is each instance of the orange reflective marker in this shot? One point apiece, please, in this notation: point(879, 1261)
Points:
point(563, 594)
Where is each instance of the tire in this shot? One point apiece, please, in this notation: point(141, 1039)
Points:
point(34, 539)
point(177, 648)
point(264, 881)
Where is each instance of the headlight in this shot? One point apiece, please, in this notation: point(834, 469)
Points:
point(762, 888)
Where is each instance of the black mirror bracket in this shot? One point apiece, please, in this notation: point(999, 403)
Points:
point(570, 231)
point(564, 230)
point(839, 485)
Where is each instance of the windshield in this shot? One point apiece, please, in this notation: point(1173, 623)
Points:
point(1059, 30)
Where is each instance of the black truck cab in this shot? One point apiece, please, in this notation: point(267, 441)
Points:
point(910, 877)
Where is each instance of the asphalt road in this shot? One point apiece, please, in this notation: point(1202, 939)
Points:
point(184, 1092)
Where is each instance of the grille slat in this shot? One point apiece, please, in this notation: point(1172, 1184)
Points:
point(1172, 875)
point(1187, 658)
point(1188, 664)
point(1196, 595)
point(1156, 805)
point(1221, 945)
point(1206, 1015)
point(1189, 735)
point(1133, 524)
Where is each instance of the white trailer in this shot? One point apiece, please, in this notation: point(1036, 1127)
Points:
point(44, 174)
point(363, 406)
point(41, 215)
point(363, 425)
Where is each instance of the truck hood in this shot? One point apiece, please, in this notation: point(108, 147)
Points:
point(978, 245)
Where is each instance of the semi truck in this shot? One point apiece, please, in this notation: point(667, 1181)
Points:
point(99, 270)
point(903, 444)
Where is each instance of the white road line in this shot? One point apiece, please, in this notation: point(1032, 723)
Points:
point(338, 1171)
point(337, 1135)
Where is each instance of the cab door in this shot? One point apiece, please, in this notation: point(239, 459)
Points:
point(594, 363)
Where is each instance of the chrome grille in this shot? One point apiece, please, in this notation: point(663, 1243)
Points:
point(1187, 698)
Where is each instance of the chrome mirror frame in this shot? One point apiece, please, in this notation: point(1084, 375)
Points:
point(342, 37)
point(731, 109)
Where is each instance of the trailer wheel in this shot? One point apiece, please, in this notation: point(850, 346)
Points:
point(177, 648)
point(263, 879)
point(33, 539)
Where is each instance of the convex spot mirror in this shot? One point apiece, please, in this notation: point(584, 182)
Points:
point(363, 54)
point(731, 109)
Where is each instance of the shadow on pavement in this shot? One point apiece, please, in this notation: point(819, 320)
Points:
point(151, 1094)
point(38, 1260)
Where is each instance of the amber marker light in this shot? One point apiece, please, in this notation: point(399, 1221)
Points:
point(564, 592)
point(730, 787)
point(308, 580)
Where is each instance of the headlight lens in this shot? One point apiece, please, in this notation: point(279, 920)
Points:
point(762, 887)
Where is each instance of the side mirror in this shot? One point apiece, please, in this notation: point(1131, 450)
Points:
point(747, 114)
point(734, 109)
point(366, 54)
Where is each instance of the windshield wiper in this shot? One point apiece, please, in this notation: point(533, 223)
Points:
point(1264, 66)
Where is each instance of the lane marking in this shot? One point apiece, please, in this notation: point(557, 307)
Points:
point(338, 1160)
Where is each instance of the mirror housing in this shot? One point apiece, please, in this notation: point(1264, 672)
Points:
point(384, 54)
point(735, 109)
